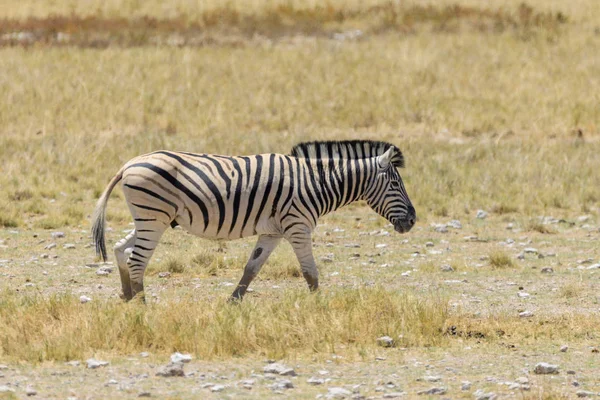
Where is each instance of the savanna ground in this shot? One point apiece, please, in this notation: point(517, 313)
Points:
point(496, 107)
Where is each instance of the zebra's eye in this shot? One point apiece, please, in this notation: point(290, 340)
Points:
point(395, 185)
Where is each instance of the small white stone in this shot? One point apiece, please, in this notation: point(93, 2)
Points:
point(180, 358)
point(144, 354)
point(543, 368)
point(523, 295)
point(530, 250)
point(315, 381)
point(217, 388)
point(481, 214)
point(385, 341)
point(433, 390)
point(6, 389)
point(526, 314)
point(29, 391)
point(564, 348)
point(466, 385)
point(50, 246)
point(57, 235)
point(93, 363)
point(481, 395)
point(338, 393)
point(69, 246)
point(280, 369)
point(84, 299)
point(431, 378)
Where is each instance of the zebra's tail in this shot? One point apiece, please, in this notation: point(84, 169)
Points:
point(99, 217)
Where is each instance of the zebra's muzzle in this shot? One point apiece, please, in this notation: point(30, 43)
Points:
point(405, 224)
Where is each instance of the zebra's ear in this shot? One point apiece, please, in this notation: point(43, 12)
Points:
point(385, 159)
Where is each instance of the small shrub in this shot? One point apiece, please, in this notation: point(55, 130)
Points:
point(499, 259)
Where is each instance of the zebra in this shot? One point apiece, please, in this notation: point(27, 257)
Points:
point(274, 196)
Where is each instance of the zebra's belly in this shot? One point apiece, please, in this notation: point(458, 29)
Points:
point(264, 226)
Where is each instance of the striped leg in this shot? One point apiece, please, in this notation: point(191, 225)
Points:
point(264, 247)
point(302, 244)
point(146, 240)
point(123, 250)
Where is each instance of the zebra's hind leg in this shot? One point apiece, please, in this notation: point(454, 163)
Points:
point(148, 233)
point(123, 250)
point(264, 247)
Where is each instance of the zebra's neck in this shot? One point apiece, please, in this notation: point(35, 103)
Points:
point(338, 182)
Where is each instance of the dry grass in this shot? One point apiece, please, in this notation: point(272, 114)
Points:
point(60, 328)
point(227, 25)
point(495, 108)
point(500, 259)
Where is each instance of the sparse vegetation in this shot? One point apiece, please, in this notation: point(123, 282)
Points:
point(488, 102)
point(321, 323)
point(499, 260)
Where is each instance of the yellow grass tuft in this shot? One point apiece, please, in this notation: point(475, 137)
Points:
point(500, 259)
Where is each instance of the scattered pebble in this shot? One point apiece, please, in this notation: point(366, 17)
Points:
point(523, 295)
point(454, 224)
point(584, 393)
point(481, 395)
point(279, 369)
point(466, 385)
point(543, 368)
point(564, 348)
point(93, 363)
point(180, 358)
point(338, 393)
point(282, 385)
point(526, 314)
point(393, 395)
point(165, 274)
point(29, 391)
point(429, 244)
point(433, 390)
point(144, 354)
point(315, 381)
point(547, 270)
point(144, 394)
point(385, 341)
point(6, 389)
point(217, 388)
point(57, 235)
point(171, 369)
point(447, 268)
point(481, 214)
point(530, 250)
point(69, 246)
point(50, 246)
point(84, 299)
point(432, 378)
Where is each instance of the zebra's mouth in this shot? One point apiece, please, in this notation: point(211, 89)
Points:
point(404, 225)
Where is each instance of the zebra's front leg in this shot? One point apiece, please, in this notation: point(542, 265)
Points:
point(264, 247)
point(302, 245)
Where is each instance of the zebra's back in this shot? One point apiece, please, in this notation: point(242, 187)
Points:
point(212, 196)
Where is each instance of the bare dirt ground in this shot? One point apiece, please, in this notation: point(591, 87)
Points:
point(436, 259)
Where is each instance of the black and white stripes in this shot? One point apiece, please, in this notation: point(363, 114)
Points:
point(274, 196)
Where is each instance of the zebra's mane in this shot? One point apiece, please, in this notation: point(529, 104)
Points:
point(356, 149)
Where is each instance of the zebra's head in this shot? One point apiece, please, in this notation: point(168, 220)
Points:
point(387, 195)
